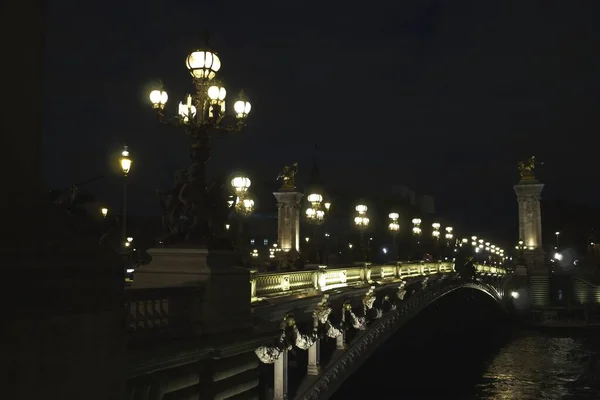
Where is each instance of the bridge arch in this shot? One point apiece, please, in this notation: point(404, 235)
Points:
point(379, 331)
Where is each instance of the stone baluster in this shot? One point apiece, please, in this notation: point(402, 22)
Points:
point(340, 341)
point(314, 353)
point(280, 385)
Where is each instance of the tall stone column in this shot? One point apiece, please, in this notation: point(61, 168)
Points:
point(288, 219)
point(280, 381)
point(530, 219)
point(528, 192)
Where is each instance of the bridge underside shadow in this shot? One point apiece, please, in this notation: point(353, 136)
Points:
point(456, 319)
point(450, 338)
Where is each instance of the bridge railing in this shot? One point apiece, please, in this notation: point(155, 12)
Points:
point(265, 285)
point(156, 313)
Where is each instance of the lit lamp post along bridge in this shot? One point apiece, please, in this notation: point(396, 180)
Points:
point(201, 115)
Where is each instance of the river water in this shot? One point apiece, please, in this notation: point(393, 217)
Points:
point(465, 357)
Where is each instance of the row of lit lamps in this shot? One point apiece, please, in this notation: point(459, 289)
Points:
point(482, 245)
point(362, 222)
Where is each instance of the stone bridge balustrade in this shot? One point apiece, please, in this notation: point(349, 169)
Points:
point(155, 314)
point(391, 296)
point(269, 285)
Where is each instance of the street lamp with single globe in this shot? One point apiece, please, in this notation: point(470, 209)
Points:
point(201, 115)
point(125, 162)
point(362, 223)
point(394, 228)
point(104, 212)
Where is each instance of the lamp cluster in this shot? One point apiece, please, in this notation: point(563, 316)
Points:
point(315, 214)
point(206, 108)
point(361, 220)
point(416, 230)
point(394, 226)
point(244, 204)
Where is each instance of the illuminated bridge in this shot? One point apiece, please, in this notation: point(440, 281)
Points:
point(303, 332)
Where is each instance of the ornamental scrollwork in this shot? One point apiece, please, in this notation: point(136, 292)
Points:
point(359, 323)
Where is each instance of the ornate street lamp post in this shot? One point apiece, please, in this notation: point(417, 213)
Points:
point(125, 162)
point(315, 215)
point(521, 248)
point(416, 231)
point(362, 223)
point(201, 115)
point(435, 234)
point(394, 228)
point(449, 239)
point(244, 204)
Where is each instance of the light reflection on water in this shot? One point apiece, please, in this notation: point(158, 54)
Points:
point(541, 367)
point(522, 366)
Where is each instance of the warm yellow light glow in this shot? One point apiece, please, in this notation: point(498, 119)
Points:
point(327, 206)
point(248, 203)
point(217, 93)
point(449, 229)
point(394, 226)
point(416, 230)
point(361, 209)
point(129, 239)
point(314, 198)
point(474, 238)
point(436, 225)
point(394, 216)
point(158, 98)
point(104, 211)
point(186, 111)
point(242, 107)
point(320, 214)
point(241, 184)
point(465, 240)
point(416, 221)
point(361, 221)
point(203, 64)
point(435, 234)
point(310, 212)
point(125, 161)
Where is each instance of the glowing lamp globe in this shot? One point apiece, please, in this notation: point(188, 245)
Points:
point(104, 211)
point(394, 216)
point(217, 93)
point(361, 208)
point(416, 221)
point(186, 112)
point(242, 108)
point(158, 98)
point(315, 198)
point(240, 184)
point(203, 64)
point(310, 212)
point(435, 225)
point(125, 161)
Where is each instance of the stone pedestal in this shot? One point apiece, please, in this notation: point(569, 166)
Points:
point(530, 216)
point(226, 288)
point(288, 220)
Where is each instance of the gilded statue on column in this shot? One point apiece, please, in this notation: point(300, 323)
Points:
point(288, 176)
point(527, 168)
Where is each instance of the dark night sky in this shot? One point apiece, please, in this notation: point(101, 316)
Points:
point(443, 96)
